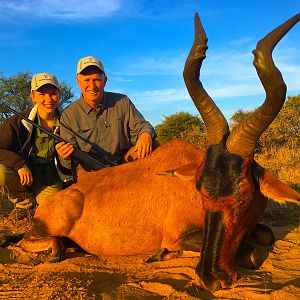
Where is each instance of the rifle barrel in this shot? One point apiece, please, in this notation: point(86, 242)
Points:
point(83, 157)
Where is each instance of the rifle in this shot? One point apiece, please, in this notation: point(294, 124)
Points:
point(95, 151)
point(86, 160)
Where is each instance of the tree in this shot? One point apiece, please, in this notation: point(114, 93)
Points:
point(15, 92)
point(177, 125)
point(66, 94)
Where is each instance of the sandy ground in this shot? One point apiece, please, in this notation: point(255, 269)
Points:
point(83, 276)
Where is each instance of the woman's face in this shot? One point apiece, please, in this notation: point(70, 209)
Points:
point(47, 98)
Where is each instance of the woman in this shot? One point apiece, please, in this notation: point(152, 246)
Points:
point(29, 165)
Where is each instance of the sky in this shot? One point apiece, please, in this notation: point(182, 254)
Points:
point(143, 46)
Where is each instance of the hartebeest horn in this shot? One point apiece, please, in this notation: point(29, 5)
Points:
point(215, 123)
point(244, 137)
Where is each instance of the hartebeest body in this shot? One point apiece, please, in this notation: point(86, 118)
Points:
point(132, 209)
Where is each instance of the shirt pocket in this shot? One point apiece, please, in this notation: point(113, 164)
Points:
point(122, 133)
point(88, 133)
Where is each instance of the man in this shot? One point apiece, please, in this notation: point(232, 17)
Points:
point(108, 120)
point(29, 170)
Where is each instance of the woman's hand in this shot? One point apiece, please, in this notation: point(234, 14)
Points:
point(64, 149)
point(25, 175)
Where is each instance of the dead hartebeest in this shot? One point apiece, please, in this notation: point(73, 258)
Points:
point(221, 193)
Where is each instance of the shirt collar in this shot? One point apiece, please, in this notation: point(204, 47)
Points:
point(87, 109)
point(55, 125)
point(105, 101)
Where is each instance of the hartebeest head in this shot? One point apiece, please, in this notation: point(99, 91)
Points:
point(229, 178)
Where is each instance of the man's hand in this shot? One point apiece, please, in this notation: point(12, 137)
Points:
point(64, 149)
point(143, 145)
point(25, 175)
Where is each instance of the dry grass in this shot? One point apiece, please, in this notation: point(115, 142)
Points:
point(284, 163)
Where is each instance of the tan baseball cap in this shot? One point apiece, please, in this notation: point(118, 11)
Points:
point(89, 61)
point(40, 79)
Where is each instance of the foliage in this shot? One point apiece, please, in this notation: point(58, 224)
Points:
point(66, 94)
point(15, 92)
point(177, 125)
point(239, 116)
point(195, 136)
point(283, 131)
point(283, 162)
point(277, 149)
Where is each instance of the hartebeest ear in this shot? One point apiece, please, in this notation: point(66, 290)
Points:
point(185, 172)
point(275, 189)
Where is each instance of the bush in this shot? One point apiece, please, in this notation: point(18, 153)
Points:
point(177, 126)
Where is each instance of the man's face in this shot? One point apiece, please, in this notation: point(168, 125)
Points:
point(92, 82)
point(47, 98)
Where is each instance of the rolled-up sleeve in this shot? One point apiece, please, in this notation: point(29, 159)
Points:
point(138, 124)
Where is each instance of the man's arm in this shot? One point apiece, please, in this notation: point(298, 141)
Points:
point(142, 130)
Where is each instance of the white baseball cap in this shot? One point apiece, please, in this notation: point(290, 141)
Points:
point(89, 61)
point(40, 79)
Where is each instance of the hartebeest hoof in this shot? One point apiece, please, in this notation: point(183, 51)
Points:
point(164, 254)
point(52, 245)
point(249, 257)
point(263, 235)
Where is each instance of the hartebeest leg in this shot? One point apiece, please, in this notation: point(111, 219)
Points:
point(249, 257)
point(52, 244)
point(164, 254)
point(188, 241)
point(262, 235)
point(9, 238)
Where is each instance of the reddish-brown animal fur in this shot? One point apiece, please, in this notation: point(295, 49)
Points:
point(128, 220)
point(130, 209)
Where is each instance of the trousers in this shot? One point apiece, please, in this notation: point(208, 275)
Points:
point(24, 197)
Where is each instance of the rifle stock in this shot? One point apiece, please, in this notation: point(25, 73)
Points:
point(87, 161)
